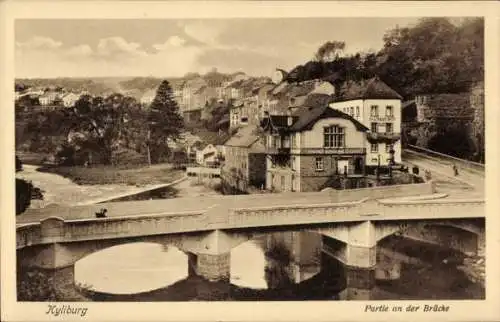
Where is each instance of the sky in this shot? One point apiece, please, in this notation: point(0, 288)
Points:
point(173, 47)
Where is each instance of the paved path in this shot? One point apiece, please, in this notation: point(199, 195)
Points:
point(468, 184)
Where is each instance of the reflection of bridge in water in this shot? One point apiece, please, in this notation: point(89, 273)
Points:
point(351, 221)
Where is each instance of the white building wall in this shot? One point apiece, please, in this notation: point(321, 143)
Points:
point(345, 107)
point(382, 104)
point(315, 139)
point(366, 119)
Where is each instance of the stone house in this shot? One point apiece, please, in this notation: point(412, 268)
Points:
point(309, 148)
point(245, 161)
point(206, 154)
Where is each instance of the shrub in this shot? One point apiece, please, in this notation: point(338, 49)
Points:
point(24, 191)
point(19, 165)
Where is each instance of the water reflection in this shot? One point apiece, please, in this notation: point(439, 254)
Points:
point(280, 266)
point(132, 268)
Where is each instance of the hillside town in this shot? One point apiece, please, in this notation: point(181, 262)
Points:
point(216, 160)
point(299, 136)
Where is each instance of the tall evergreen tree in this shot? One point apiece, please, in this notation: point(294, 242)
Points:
point(165, 122)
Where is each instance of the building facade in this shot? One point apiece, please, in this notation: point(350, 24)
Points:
point(245, 161)
point(378, 107)
point(308, 150)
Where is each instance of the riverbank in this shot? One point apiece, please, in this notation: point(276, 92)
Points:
point(62, 191)
point(99, 175)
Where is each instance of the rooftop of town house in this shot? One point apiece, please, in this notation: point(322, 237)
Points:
point(246, 137)
point(373, 88)
point(314, 99)
point(264, 89)
point(277, 122)
point(199, 145)
point(307, 117)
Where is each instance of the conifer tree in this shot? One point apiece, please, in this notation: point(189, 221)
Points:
point(164, 121)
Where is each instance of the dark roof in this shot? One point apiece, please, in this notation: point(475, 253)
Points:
point(300, 89)
point(314, 100)
point(309, 116)
point(199, 145)
point(245, 137)
point(373, 88)
point(277, 122)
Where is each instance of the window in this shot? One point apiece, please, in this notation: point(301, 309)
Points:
point(357, 111)
point(388, 128)
point(352, 111)
point(374, 110)
point(282, 183)
point(319, 164)
point(374, 127)
point(374, 147)
point(275, 142)
point(334, 137)
point(389, 111)
point(293, 163)
point(293, 182)
point(294, 140)
point(388, 147)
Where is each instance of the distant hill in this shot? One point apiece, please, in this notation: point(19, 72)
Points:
point(133, 86)
point(96, 86)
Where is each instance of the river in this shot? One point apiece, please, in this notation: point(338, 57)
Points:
point(277, 266)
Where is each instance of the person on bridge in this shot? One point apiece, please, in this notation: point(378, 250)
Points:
point(455, 170)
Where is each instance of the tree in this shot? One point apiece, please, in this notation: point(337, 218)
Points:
point(164, 122)
point(103, 126)
point(330, 51)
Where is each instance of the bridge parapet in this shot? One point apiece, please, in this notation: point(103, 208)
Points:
point(27, 235)
point(53, 229)
point(432, 209)
point(294, 214)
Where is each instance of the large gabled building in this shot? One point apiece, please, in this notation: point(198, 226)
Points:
point(307, 149)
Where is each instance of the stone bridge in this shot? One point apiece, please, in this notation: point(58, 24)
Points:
point(209, 231)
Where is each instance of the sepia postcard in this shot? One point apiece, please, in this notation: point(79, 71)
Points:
point(249, 161)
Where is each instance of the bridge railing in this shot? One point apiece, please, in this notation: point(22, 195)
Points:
point(27, 235)
point(451, 159)
point(438, 209)
point(294, 214)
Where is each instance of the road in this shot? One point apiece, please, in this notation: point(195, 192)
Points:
point(468, 184)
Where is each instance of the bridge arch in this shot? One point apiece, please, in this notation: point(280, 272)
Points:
point(460, 236)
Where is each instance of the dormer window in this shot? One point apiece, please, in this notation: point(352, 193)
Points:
point(334, 137)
